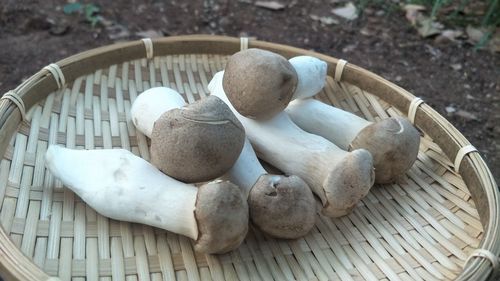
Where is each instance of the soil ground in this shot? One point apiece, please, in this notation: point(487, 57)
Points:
point(445, 74)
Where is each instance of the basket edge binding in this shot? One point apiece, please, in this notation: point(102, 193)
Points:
point(471, 166)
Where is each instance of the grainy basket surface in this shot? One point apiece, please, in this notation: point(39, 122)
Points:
point(422, 229)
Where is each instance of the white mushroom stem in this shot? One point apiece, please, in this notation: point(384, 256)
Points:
point(311, 75)
point(122, 186)
point(336, 125)
point(247, 170)
point(338, 177)
point(151, 104)
point(315, 117)
point(280, 206)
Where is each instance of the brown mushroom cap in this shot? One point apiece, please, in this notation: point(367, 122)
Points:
point(259, 83)
point(222, 216)
point(351, 179)
point(197, 143)
point(282, 206)
point(393, 143)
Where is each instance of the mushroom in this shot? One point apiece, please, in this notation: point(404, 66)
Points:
point(280, 206)
point(311, 75)
point(122, 186)
point(259, 83)
point(204, 138)
point(393, 142)
point(339, 178)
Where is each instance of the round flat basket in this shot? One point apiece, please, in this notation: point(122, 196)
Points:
point(440, 223)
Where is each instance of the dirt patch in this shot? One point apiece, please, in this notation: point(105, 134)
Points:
point(461, 84)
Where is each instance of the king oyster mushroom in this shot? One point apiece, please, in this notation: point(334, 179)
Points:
point(195, 143)
point(259, 83)
point(393, 142)
point(122, 186)
point(281, 206)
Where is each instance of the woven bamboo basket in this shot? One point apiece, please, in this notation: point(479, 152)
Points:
point(441, 223)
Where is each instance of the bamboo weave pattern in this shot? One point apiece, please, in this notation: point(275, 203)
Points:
point(423, 229)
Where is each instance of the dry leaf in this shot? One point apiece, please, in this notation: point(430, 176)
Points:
point(466, 115)
point(413, 12)
point(448, 36)
point(328, 20)
point(349, 11)
point(271, 5)
point(427, 27)
point(324, 20)
point(452, 34)
point(474, 34)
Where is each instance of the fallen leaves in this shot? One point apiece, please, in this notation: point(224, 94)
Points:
point(426, 27)
point(484, 38)
point(475, 34)
point(452, 35)
point(349, 11)
point(270, 5)
point(412, 12)
point(326, 20)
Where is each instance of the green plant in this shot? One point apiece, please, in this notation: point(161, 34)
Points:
point(492, 16)
point(90, 11)
point(452, 13)
point(435, 7)
point(484, 40)
point(454, 8)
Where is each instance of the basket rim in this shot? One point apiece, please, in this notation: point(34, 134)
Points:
point(473, 169)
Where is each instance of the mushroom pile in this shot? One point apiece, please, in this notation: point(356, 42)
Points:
point(205, 180)
point(281, 206)
point(393, 142)
point(338, 154)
